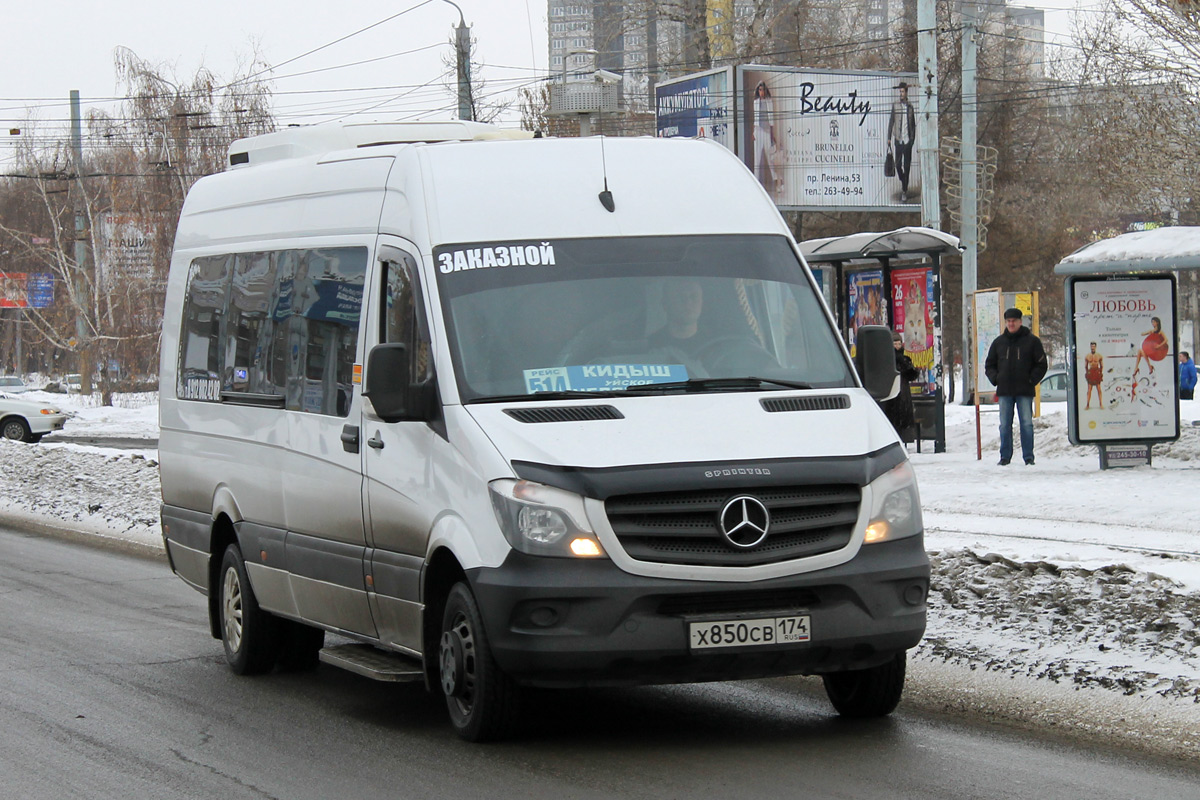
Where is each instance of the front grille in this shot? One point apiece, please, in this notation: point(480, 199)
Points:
point(683, 527)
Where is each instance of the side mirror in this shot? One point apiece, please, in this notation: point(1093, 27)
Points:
point(389, 385)
point(875, 360)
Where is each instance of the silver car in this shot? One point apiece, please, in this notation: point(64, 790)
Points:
point(11, 384)
point(28, 421)
point(1055, 386)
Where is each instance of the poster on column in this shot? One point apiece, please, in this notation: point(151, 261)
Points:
point(866, 303)
point(985, 306)
point(1126, 384)
point(912, 317)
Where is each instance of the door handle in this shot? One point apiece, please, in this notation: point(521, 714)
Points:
point(375, 442)
point(350, 438)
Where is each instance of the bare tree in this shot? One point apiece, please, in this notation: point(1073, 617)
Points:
point(136, 171)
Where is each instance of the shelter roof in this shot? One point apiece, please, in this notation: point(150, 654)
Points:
point(1157, 250)
point(872, 245)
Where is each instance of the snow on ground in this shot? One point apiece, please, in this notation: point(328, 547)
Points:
point(1082, 580)
point(1060, 570)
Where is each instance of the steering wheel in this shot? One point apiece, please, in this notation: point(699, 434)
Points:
point(735, 352)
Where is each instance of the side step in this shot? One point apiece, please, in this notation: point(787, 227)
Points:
point(373, 663)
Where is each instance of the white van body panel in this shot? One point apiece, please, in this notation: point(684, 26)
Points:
point(459, 210)
point(690, 428)
point(286, 201)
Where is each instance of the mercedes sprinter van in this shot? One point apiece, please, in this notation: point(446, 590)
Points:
point(491, 413)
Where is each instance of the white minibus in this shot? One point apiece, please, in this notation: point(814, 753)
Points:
point(447, 405)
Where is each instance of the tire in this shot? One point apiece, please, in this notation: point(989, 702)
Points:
point(250, 635)
point(481, 699)
point(16, 429)
point(299, 646)
point(866, 693)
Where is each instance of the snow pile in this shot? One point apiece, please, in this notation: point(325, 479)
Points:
point(1113, 627)
point(107, 493)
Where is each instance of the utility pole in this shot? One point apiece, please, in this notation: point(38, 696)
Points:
point(927, 132)
point(83, 340)
point(462, 49)
point(652, 50)
point(970, 171)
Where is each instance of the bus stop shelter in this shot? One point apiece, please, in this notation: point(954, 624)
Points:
point(1124, 321)
point(893, 278)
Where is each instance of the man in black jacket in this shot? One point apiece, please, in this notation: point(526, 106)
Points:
point(1015, 364)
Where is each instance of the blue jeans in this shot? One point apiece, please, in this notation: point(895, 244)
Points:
point(1024, 407)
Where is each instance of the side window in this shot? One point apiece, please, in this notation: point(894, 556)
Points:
point(327, 294)
point(203, 328)
point(249, 325)
point(404, 314)
point(283, 324)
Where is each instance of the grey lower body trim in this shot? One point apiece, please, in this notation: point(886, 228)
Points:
point(187, 536)
point(189, 564)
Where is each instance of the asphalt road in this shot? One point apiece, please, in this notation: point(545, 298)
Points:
point(110, 687)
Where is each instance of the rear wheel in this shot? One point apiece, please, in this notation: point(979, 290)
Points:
point(250, 635)
point(864, 693)
point(481, 699)
point(16, 429)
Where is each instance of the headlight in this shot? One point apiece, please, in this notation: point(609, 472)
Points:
point(543, 521)
point(895, 506)
point(49, 411)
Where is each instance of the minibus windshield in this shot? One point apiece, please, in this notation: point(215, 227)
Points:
point(637, 315)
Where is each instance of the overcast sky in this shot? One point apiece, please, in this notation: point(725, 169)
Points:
point(49, 47)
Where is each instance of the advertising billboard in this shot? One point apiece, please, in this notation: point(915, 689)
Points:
point(830, 140)
point(912, 317)
point(127, 247)
point(988, 324)
point(866, 303)
point(1126, 381)
point(26, 289)
point(699, 106)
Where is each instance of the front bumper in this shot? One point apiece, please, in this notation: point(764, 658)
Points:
point(46, 423)
point(559, 622)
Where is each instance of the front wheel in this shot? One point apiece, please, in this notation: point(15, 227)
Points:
point(16, 429)
point(481, 699)
point(863, 693)
point(250, 635)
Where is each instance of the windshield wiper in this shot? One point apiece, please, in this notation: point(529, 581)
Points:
point(747, 384)
point(560, 394)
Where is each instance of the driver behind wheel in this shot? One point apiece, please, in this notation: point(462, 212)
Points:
point(682, 301)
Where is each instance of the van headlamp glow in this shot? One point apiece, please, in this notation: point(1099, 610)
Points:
point(895, 506)
point(542, 520)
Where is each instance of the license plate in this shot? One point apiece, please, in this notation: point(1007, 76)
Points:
point(749, 632)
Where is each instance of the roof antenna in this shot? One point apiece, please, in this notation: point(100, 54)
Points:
point(606, 198)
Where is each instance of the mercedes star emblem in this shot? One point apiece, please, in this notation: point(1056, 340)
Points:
point(744, 522)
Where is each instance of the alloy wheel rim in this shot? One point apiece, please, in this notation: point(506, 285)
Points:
point(233, 609)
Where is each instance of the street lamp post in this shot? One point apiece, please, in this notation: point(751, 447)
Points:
point(462, 47)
